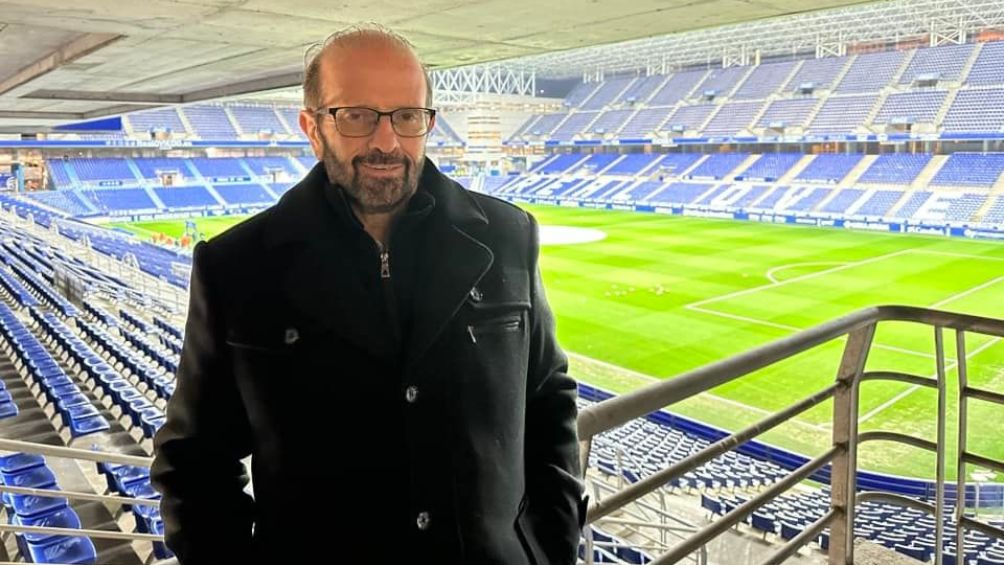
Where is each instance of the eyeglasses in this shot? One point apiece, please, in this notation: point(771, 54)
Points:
point(355, 121)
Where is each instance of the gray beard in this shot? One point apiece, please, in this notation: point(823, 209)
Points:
point(373, 195)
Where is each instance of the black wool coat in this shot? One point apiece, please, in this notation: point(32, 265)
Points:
point(282, 361)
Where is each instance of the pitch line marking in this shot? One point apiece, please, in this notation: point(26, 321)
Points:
point(965, 293)
point(786, 327)
point(799, 278)
point(650, 378)
point(948, 367)
point(771, 272)
point(962, 255)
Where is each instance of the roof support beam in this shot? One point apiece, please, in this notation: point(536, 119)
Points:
point(94, 96)
point(67, 53)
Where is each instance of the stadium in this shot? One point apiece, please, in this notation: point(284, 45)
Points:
point(771, 238)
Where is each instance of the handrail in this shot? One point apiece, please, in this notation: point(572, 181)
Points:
point(859, 329)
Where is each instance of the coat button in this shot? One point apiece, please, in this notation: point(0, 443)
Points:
point(411, 394)
point(423, 521)
point(476, 295)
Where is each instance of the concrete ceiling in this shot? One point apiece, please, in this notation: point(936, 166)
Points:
point(65, 61)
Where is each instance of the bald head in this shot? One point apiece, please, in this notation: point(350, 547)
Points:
point(354, 47)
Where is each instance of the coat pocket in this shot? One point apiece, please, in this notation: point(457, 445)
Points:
point(507, 323)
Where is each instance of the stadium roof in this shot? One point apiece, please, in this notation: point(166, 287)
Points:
point(65, 61)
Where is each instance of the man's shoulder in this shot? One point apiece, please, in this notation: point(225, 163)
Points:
point(240, 239)
point(501, 212)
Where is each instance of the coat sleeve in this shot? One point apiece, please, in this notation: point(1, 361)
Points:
point(554, 489)
point(197, 453)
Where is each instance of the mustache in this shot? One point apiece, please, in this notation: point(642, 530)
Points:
point(381, 158)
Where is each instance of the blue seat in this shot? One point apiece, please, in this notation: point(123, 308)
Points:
point(764, 522)
point(65, 518)
point(152, 424)
point(918, 553)
point(711, 504)
point(8, 410)
point(30, 506)
point(120, 478)
point(63, 549)
point(789, 530)
point(90, 425)
point(18, 462)
point(33, 477)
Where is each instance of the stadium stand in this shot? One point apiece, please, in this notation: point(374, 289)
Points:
point(788, 113)
point(895, 168)
point(256, 119)
point(640, 90)
point(944, 62)
point(732, 119)
point(842, 114)
point(162, 119)
point(677, 87)
point(911, 107)
point(186, 197)
point(220, 168)
point(872, 71)
point(986, 70)
point(101, 169)
point(772, 166)
point(243, 195)
point(975, 111)
point(644, 123)
point(970, 169)
point(718, 166)
point(819, 74)
point(829, 168)
point(608, 91)
point(209, 122)
point(879, 203)
point(153, 167)
point(764, 80)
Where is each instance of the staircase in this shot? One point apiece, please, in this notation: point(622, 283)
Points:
point(906, 196)
point(877, 107)
point(184, 121)
point(795, 170)
point(979, 214)
point(747, 163)
point(903, 67)
point(233, 121)
point(785, 84)
point(852, 177)
point(843, 72)
point(939, 118)
point(927, 174)
point(964, 74)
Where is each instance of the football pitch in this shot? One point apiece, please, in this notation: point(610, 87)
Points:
point(661, 295)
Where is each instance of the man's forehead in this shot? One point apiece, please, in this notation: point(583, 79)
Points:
point(383, 81)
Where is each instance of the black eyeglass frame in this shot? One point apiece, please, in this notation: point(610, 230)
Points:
point(333, 111)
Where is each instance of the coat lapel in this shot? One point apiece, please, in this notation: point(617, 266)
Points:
point(453, 263)
point(318, 279)
point(320, 282)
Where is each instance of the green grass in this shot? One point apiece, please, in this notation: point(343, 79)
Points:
point(662, 295)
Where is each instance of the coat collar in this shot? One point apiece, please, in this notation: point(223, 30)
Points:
point(303, 213)
point(318, 281)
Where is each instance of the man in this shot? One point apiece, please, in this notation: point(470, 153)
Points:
point(380, 344)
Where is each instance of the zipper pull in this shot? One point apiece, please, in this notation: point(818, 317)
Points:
point(384, 265)
point(470, 332)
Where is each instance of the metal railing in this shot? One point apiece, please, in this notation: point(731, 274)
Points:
point(78, 455)
point(859, 330)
